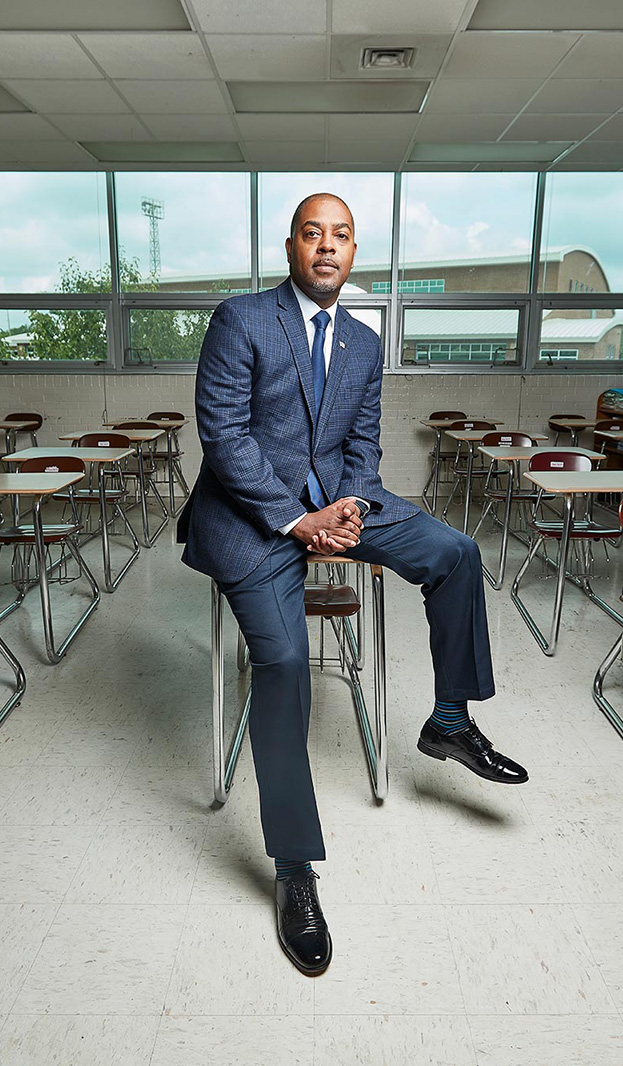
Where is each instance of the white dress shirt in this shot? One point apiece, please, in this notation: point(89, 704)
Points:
point(308, 310)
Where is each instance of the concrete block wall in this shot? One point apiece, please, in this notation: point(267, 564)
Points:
point(78, 401)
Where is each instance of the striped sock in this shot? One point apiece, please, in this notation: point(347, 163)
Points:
point(449, 715)
point(288, 867)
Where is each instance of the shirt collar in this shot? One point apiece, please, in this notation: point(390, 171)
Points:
point(309, 308)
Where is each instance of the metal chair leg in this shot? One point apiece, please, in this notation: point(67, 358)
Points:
point(20, 681)
point(56, 654)
point(224, 764)
point(350, 649)
point(616, 652)
point(547, 645)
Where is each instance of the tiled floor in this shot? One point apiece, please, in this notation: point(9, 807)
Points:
point(473, 925)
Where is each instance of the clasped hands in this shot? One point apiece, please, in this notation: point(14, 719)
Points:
point(333, 529)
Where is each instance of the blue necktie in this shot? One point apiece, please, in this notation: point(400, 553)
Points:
point(321, 321)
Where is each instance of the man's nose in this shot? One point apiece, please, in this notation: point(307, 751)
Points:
point(327, 244)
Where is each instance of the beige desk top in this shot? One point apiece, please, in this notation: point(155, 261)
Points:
point(470, 434)
point(444, 423)
point(610, 434)
point(162, 423)
point(137, 436)
point(567, 482)
point(88, 455)
point(527, 453)
point(35, 484)
point(17, 425)
point(575, 423)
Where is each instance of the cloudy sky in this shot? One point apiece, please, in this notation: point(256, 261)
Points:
point(46, 218)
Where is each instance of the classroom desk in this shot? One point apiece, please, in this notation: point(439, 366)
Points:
point(513, 456)
point(171, 427)
point(101, 457)
point(38, 486)
point(139, 437)
point(11, 429)
point(575, 426)
point(568, 484)
point(439, 425)
point(472, 437)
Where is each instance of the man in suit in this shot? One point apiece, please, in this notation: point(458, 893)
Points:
point(288, 410)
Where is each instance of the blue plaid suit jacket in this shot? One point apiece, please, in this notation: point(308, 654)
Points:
point(260, 436)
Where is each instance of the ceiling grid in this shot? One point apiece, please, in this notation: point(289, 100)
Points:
point(148, 84)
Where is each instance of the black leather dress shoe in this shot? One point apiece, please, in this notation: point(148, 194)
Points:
point(471, 747)
point(301, 927)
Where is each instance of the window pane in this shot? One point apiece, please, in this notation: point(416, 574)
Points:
point(435, 335)
point(467, 232)
point(581, 233)
point(184, 232)
point(166, 336)
point(370, 198)
point(53, 233)
point(569, 336)
point(77, 335)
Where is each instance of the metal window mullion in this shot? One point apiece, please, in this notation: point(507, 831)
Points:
point(394, 325)
point(115, 336)
point(255, 236)
point(535, 310)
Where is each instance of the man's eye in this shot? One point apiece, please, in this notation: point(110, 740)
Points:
point(312, 233)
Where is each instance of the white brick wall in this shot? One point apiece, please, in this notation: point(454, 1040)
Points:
point(77, 401)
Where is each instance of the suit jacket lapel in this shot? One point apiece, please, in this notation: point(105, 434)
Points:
point(292, 321)
point(339, 355)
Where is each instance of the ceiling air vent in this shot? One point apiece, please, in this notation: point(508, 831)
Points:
point(387, 58)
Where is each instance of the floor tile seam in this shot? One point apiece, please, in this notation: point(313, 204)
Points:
point(591, 953)
point(35, 957)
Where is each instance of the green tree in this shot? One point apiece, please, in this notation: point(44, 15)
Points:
point(79, 335)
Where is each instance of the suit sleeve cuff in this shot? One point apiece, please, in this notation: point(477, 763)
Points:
point(290, 525)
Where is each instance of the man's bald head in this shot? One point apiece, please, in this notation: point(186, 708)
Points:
point(298, 214)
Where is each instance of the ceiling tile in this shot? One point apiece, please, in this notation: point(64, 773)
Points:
point(9, 104)
point(6, 155)
point(396, 16)
point(43, 55)
point(346, 53)
point(165, 151)
point(487, 96)
point(262, 16)
point(390, 152)
point(461, 128)
point(612, 131)
point(27, 127)
point(598, 55)
point(281, 127)
point(69, 97)
point(553, 15)
point(492, 151)
point(582, 97)
point(149, 55)
point(76, 15)
point(173, 97)
point(277, 57)
point(327, 97)
point(552, 127)
point(369, 127)
point(191, 127)
point(279, 153)
point(63, 153)
point(598, 152)
point(101, 127)
point(517, 55)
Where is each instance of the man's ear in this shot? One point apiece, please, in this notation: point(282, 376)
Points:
point(288, 248)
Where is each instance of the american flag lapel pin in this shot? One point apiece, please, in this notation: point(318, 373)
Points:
point(342, 345)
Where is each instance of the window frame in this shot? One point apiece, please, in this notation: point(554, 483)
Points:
point(118, 305)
